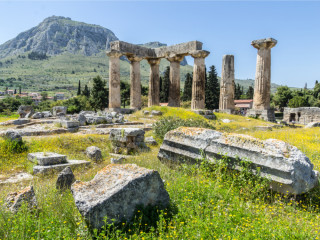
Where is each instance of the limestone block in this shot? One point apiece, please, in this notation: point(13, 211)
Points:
point(289, 170)
point(23, 110)
point(47, 158)
point(59, 167)
point(156, 113)
point(16, 199)
point(37, 115)
point(313, 124)
point(94, 153)
point(116, 192)
point(59, 110)
point(13, 136)
point(21, 121)
point(47, 114)
point(65, 179)
point(69, 123)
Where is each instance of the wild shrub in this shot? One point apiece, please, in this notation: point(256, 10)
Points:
point(10, 146)
point(167, 124)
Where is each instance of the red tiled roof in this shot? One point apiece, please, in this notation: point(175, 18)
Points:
point(243, 105)
point(243, 101)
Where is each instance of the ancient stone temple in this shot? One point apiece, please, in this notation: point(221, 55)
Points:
point(261, 98)
point(226, 102)
point(174, 54)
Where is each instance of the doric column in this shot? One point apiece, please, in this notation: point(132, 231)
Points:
point(227, 83)
point(135, 82)
point(154, 82)
point(198, 82)
point(114, 79)
point(261, 99)
point(174, 88)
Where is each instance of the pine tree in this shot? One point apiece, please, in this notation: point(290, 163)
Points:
point(187, 92)
point(79, 89)
point(19, 89)
point(212, 89)
point(99, 94)
point(250, 92)
point(164, 94)
point(86, 91)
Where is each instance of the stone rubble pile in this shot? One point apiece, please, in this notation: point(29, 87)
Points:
point(116, 192)
point(289, 170)
point(90, 117)
point(127, 140)
point(49, 161)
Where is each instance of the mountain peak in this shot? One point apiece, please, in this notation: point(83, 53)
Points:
point(57, 35)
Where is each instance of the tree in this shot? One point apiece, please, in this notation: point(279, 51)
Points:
point(164, 94)
point(99, 94)
point(44, 96)
point(238, 91)
point(250, 92)
point(187, 92)
point(79, 89)
point(125, 93)
point(282, 97)
point(86, 91)
point(15, 91)
point(212, 89)
point(19, 89)
point(297, 101)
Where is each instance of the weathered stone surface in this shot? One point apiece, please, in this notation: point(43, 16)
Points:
point(69, 123)
point(37, 115)
point(114, 79)
point(205, 113)
point(289, 170)
point(13, 136)
point(119, 160)
point(82, 119)
point(65, 179)
point(263, 128)
point(59, 167)
point(154, 82)
point(129, 139)
point(26, 196)
point(21, 121)
point(146, 112)
point(174, 87)
point(313, 124)
point(267, 115)
point(59, 110)
point(23, 110)
point(16, 178)
point(46, 114)
point(150, 140)
point(301, 115)
point(226, 120)
point(47, 158)
point(94, 153)
point(261, 98)
point(115, 193)
point(135, 82)
point(227, 83)
point(156, 113)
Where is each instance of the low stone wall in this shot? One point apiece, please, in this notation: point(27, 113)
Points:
point(302, 115)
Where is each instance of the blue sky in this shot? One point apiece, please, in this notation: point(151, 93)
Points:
point(224, 27)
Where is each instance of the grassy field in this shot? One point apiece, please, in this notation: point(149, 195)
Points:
point(207, 202)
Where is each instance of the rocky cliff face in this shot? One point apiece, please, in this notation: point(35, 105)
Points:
point(56, 35)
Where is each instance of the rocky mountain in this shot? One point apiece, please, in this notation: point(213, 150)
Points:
point(56, 35)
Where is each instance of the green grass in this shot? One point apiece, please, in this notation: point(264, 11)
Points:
point(207, 202)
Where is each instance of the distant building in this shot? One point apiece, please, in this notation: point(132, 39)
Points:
point(164, 104)
point(60, 96)
point(10, 92)
point(243, 105)
point(301, 115)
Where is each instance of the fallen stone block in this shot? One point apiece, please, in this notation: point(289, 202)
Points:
point(13, 136)
point(16, 199)
point(59, 167)
point(37, 115)
point(115, 193)
point(21, 121)
point(150, 140)
point(156, 113)
point(94, 153)
point(69, 124)
point(313, 124)
point(47, 114)
point(47, 158)
point(208, 114)
point(119, 160)
point(19, 177)
point(59, 111)
point(65, 179)
point(23, 110)
point(289, 170)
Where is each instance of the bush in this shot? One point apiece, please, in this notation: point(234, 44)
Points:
point(14, 146)
point(167, 124)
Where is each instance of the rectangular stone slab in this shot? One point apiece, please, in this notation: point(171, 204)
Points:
point(289, 170)
point(69, 124)
point(59, 167)
point(47, 158)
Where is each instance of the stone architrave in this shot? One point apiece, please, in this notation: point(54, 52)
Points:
point(154, 82)
point(261, 99)
point(199, 76)
point(174, 87)
point(114, 79)
point(227, 83)
point(135, 81)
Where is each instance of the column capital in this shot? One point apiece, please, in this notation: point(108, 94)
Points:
point(154, 61)
point(199, 53)
point(114, 53)
point(133, 58)
point(173, 57)
point(266, 43)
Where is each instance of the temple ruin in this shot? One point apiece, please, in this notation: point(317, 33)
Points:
point(261, 98)
point(301, 115)
point(174, 54)
point(226, 102)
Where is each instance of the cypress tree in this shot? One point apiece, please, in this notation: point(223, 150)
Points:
point(187, 92)
point(86, 91)
point(19, 89)
point(164, 94)
point(212, 89)
point(99, 94)
point(250, 92)
point(79, 89)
